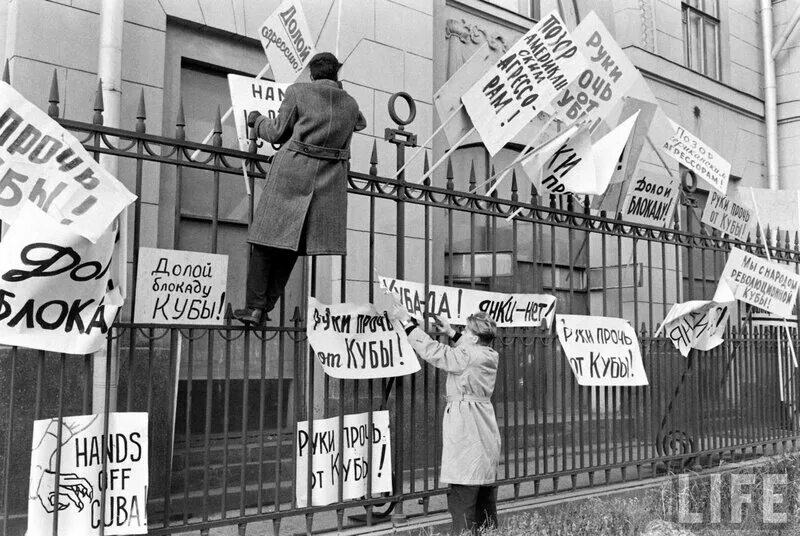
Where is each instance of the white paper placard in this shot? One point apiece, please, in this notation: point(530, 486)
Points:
point(81, 478)
point(351, 466)
point(601, 350)
point(180, 287)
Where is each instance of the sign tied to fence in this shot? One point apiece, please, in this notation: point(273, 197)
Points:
point(42, 163)
point(180, 287)
point(75, 487)
point(651, 200)
point(696, 324)
point(456, 304)
point(727, 216)
point(56, 290)
point(759, 282)
point(254, 95)
point(601, 350)
point(350, 466)
point(353, 340)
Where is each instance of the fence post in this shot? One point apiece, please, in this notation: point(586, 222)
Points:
point(401, 139)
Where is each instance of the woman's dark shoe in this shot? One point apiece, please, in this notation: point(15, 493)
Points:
point(251, 316)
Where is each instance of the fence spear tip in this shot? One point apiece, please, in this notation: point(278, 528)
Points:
point(98, 96)
point(180, 120)
point(373, 159)
point(141, 111)
point(53, 99)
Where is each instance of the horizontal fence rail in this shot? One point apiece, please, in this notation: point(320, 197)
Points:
point(224, 400)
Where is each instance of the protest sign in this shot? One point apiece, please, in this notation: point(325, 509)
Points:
point(564, 165)
point(353, 340)
point(447, 98)
point(760, 282)
point(690, 151)
point(601, 350)
point(607, 77)
point(56, 292)
point(651, 200)
point(75, 487)
point(727, 216)
point(525, 79)
point(456, 304)
point(43, 163)
point(287, 41)
point(570, 164)
point(696, 324)
point(254, 95)
point(180, 287)
point(329, 465)
point(627, 158)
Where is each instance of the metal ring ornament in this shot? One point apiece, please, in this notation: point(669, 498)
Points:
point(412, 108)
point(688, 187)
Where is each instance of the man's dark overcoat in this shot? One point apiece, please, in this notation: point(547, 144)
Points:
point(304, 203)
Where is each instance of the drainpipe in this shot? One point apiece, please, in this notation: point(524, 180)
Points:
point(109, 71)
point(770, 96)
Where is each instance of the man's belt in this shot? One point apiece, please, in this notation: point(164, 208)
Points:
point(315, 151)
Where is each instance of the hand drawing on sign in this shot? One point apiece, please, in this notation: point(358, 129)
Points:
point(72, 489)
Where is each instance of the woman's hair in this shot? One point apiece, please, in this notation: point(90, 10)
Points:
point(484, 326)
point(324, 66)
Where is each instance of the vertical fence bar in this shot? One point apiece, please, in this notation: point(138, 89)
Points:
point(187, 424)
point(245, 408)
point(62, 365)
point(10, 435)
point(208, 423)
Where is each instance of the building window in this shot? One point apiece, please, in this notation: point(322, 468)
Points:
point(526, 8)
point(701, 36)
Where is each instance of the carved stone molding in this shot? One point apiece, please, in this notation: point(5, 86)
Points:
point(473, 33)
point(648, 25)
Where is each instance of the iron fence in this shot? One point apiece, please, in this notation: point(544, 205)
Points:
point(224, 400)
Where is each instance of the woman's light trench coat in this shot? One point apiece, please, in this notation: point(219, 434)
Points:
point(470, 437)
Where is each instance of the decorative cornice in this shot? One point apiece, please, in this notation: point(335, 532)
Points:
point(473, 33)
point(648, 25)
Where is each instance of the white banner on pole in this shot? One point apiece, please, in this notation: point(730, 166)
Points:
point(601, 350)
point(759, 282)
point(573, 165)
point(690, 151)
point(456, 304)
point(74, 489)
point(287, 41)
point(607, 77)
point(43, 163)
point(55, 290)
point(524, 81)
point(253, 94)
point(447, 98)
point(180, 287)
point(355, 341)
point(351, 466)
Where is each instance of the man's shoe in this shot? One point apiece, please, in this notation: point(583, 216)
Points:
point(251, 316)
